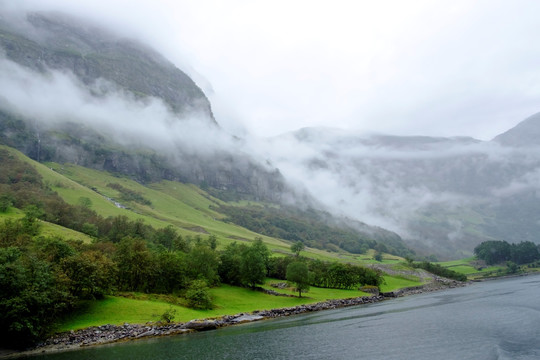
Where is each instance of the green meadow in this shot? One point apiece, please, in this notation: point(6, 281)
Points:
point(468, 267)
point(228, 300)
point(48, 229)
point(395, 282)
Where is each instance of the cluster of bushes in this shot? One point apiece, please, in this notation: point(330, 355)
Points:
point(244, 265)
point(333, 275)
point(129, 195)
point(495, 252)
point(440, 270)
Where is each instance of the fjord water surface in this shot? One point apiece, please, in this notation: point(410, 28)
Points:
point(492, 320)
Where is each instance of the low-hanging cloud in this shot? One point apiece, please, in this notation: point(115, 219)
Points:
point(54, 97)
point(427, 67)
point(389, 181)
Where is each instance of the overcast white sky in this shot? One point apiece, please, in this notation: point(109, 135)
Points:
point(445, 68)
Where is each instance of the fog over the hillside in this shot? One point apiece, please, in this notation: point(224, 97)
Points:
point(382, 182)
point(56, 97)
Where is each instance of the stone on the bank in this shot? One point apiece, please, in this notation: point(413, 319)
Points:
point(201, 325)
point(246, 318)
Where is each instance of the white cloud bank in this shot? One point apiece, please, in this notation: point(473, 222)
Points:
point(57, 97)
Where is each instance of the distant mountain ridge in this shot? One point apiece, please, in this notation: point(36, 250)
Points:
point(526, 133)
point(443, 195)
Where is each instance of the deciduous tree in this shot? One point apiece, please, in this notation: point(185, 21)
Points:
point(297, 273)
point(297, 247)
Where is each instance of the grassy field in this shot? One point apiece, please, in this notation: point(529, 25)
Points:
point(53, 230)
point(11, 213)
point(228, 300)
point(172, 203)
point(397, 282)
point(466, 266)
point(47, 229)
point(369, 258)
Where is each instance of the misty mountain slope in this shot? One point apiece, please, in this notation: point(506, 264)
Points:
point(54, 41)
point(228, 171)
point(72, 94)
point(75, 93)
point(443, 195)
point(184, 206)
point(316, 229)
point(195, 211)
point(526, 133)
point(190, 210)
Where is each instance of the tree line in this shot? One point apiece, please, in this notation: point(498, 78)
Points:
point(439, 270)
point(44, 278)
point(495, 252)
point(324, 274)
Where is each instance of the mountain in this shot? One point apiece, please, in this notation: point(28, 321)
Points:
point(74, 93)
point(53, 41)
point(60, 191)
point(442, 195)
point(78, 95)
point(525, 134)
point(91, 98)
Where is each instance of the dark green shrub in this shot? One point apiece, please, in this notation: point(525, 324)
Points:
point(198, 295)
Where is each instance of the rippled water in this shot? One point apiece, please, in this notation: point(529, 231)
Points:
point(492, 320)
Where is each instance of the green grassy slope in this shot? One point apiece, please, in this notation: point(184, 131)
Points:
point(469, 268)
point(48, 229)
point(185, 206)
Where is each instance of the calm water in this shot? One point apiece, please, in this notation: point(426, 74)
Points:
point(493, 320)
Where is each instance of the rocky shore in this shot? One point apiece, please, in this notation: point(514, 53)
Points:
point(106, 334)
point(437, 284)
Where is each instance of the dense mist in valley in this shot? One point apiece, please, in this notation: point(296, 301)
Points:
point(439, 193)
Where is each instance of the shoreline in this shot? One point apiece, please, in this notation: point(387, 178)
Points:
point(111, 334)
point(507, 276)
